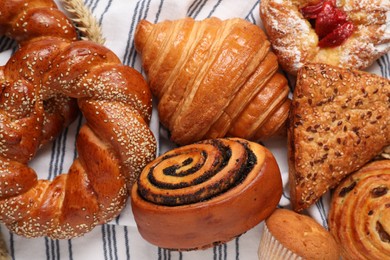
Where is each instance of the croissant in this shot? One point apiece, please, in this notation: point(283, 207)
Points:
point(339, 121)
point(213, 78)
point(113, 146)
point(206, 193)
point(359, 214)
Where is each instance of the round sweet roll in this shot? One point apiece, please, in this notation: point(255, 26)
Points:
point(40, 85)
point(359, 216)
point(350, 33)
point(206, 193)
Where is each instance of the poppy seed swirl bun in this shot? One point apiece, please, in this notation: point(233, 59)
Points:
point(207, 193)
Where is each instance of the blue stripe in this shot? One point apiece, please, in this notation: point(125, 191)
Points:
point(7, 43)
point(56, 156)
point(127, 243)
point(79, 125)
point(254, 7)
point(114, 242)
point(321, 211)
point(214, 8)
point(126, 57)
point(381, 67)
point(194, 7)
point(104, 242)
point(133, 53)
point(191, 7)
point(11, 245)
point(105, 11)
point(200, 9)
point(147, 10)
point(53, 247)
point(47, 248)
point(94, 6)
point(237, 243)
point(88, 3)
point(52, 155)
point(63, 150)
point(109, 241)
point(70, 249)
point(383, 63)
point(159, 11)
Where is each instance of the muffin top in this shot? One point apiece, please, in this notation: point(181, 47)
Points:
point(302, 235)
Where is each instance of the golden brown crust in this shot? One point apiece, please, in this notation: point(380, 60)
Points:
point(295, 42)
point(360, 213)
point(206, 193)
point(208, 74)
point(113, 146)
point(302, 235)
point(339, 121)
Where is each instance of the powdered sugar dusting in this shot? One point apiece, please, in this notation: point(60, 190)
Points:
point(294, 34)
point(295, 41)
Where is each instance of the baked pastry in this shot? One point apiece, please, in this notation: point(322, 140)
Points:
point(289, 235)
point(213, 78)
point(349, 33)
point(206, 193)
point(113, 146)
point(359, 216)
point(339, 121)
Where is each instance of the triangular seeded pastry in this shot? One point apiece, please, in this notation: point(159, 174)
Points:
point(339, 120)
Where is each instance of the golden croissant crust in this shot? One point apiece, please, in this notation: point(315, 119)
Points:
point(213, 78)
point(339, 121)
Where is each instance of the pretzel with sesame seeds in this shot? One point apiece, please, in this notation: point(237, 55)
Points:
point(50, 67)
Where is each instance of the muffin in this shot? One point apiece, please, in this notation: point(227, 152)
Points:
point(289, 235)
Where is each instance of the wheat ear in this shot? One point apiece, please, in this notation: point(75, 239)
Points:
point(84, 20)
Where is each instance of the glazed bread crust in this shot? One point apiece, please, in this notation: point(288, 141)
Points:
point(113, 146)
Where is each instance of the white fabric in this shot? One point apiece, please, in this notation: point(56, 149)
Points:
point(120, 239)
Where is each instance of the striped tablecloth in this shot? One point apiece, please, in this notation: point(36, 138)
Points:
point(120, 238)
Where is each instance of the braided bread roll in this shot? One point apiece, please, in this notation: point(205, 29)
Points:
point(359, 216)
point(113, 145)
point(206, 193)
point(213, 79)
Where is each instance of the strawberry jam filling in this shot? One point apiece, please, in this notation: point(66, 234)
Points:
point(330, 23)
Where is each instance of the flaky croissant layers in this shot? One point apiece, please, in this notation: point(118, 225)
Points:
point(213, 78)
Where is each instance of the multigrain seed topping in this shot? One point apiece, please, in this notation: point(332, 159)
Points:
point(339, 121)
